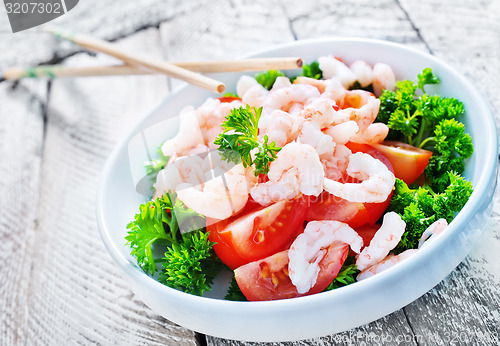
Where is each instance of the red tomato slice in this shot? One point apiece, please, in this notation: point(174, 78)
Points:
point(367, 232)
point(259, 232)
point(330, 207)
point(229, 99)
point(268, 279)
point(408, 161)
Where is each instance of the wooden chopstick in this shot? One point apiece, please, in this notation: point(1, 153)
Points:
point(255, 64)
point(140, 61)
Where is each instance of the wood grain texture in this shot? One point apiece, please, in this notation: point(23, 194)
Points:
point(371, 19)
point(465, 35)
point(104, 19)
point(225, 31)
point(21, 145)
point(76, 293)
point(47, 220)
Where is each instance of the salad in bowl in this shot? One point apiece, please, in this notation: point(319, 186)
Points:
point(299, 189)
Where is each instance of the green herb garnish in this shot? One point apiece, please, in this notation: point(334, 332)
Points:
point(240, 139)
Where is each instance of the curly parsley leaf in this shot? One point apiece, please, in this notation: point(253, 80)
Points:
point(421, 206)
point(156, 165)
point(452, 147)
point(190, 265)
point(267, 79)
point(412, 118)
point(425, 78)
point(312, 70)
point(148, 228)
point(229, 94)
point(239, 140)
point(189, 262)
point(428, 122)
point(346, 276)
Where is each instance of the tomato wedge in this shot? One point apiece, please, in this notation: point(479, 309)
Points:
point(267, 279)
point(355, 214)
point(367, 232)
point(408, 161)
point(258, 232)
point(229, 99)
point(330, 207)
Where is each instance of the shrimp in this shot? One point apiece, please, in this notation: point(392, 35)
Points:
point(361, 106)
point(373, 134)
point(433, 230)
point(384, 240)
point(281, 82)
point(297, 169)
point(189, 136)
point(251, 92)
point(377, 181)
point(385, 264)
point(363, 72)
point(334, 68)
point(244, 84)
point(343, 132)
point(280, 127)
point(334, 91)
point(211, 114)
point(181, 170)
point(336, 165)
point(318, 83)
point(309, 248)
point(209, 186)
point(319, 110)
point(310, 133)
point(383, 78)
point(283, 98)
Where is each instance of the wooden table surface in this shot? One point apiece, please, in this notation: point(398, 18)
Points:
point(58, 285)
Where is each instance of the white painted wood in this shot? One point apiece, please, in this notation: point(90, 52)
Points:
point(75, 293)
point(106, 19)
point(227, 30)
point(21, 147)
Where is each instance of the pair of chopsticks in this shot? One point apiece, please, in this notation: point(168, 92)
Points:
point(139, 64)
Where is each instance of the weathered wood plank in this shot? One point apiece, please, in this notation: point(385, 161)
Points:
point(227, 30)
point(104, 19)
point(390, 330)
point(21, 144)
point(76, 292)
point(82, 127)
point(371, 19)
point(466, 303)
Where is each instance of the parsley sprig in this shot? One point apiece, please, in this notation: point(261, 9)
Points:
point(189, 262)
point(429, 122)
point(346, 276)
point(239, 141)
point(421, 206)
point(267, 79)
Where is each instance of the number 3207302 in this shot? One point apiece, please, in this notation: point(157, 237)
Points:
point(33, 7)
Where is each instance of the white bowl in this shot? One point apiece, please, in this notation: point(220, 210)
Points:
point(340, 309)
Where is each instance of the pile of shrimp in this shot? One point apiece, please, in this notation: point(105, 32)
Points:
point(312, 120)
